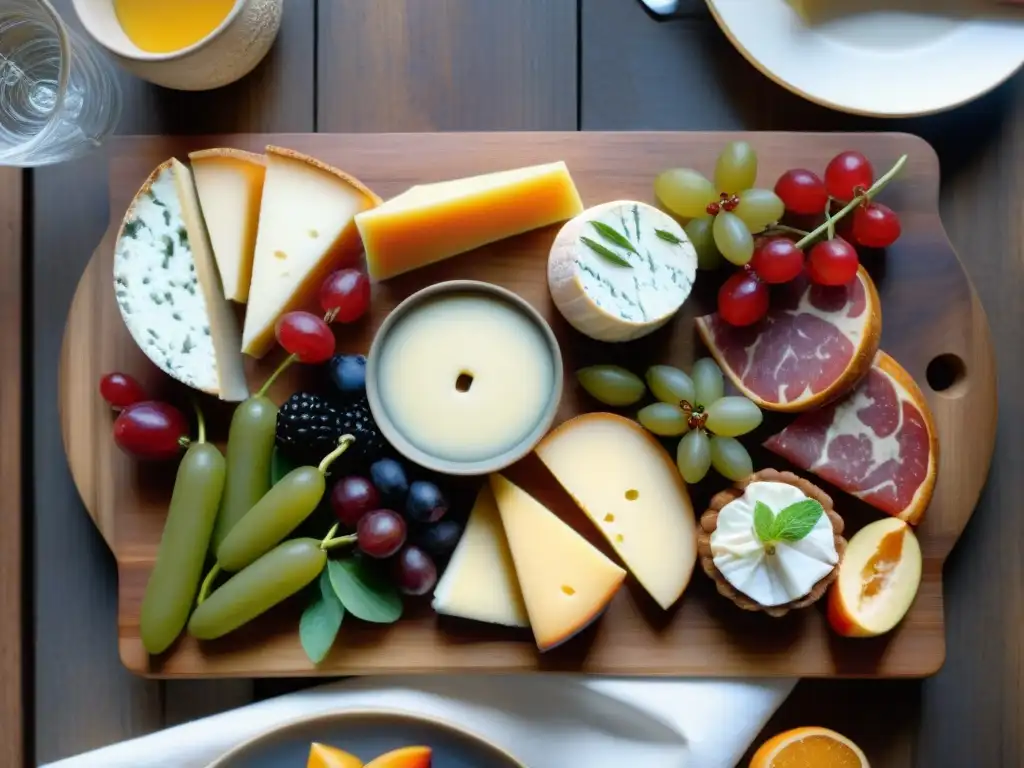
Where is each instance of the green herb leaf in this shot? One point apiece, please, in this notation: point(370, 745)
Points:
point(668, 237)
point(763, 520)
point(607, 253)
point(613, 236)
point(796, 520)
point(363, 592)
point(280, 465)
point(321, 621)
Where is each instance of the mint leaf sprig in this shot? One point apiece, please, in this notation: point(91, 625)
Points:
point(791, 524)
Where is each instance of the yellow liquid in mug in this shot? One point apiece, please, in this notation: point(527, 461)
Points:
point(165, 26)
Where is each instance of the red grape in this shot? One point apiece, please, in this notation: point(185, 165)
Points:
point(306, 336)
point(846, 174)
point(742, 299)
point(380, 533)
point(832, 262)
point(348, 292)
point(777, 260)
point(414, 571)
point(121, 390)
point(352, 497)
point(802, 191)
point(875, 225)
point(150, 430)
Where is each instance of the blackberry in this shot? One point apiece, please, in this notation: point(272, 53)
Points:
point(309, 427)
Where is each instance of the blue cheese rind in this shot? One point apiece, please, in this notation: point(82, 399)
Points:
point(166, 286)
point(635, 290)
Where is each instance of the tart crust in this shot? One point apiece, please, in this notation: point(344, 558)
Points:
point(709, 523)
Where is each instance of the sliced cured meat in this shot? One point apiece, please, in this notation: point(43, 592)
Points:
point(814, 344)
point(878, 443)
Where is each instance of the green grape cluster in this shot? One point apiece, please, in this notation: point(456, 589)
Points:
point(692, 406)
point(725, 214)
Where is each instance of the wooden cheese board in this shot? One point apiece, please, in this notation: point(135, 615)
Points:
point(933, 325)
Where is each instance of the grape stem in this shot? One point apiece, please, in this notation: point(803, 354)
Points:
point(829, 224)
point(343, 443)
point(786, 229)
point(273, 377)
point(200, 421)
point(204, 590)
point(329, 544)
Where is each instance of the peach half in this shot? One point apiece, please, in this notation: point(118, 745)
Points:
point(878, 579)
point(406, 757)
point(323, 756)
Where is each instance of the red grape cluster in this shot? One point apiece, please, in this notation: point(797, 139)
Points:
point(849, 178)
point(144, 428)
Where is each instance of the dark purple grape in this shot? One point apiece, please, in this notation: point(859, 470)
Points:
point(425, 502)
point(414, 571)
point(380, 533)
point(352, 497)
point(390, 478)
point(348, 375)
point(440, 539)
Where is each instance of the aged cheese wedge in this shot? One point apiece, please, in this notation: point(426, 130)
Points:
point(626, 483)
point(480, 580)
point(230, 185)
point(566, 582)
point(168, 289)
point(621, 270)
point(306, 228)
point(432, 222)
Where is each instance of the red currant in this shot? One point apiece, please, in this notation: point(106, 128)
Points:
point(847, 174)
point(832, 262)
point(875, 225)
point(777, 260)
point(150, 430)
point(306, 336)
point(121, 390)
point(802, 192)
point(347, 293)
point(742, 299)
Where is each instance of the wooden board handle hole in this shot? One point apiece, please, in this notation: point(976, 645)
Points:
point(947, 375)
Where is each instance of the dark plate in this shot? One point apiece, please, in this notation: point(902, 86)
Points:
point(366, 734)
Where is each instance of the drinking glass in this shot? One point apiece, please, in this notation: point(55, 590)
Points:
point(59, 96)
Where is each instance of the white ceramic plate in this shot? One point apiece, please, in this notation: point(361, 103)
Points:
point(885, 58)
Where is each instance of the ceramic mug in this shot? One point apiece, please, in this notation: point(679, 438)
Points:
point(228, 53)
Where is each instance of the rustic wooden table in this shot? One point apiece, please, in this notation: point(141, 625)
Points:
point(435, 65)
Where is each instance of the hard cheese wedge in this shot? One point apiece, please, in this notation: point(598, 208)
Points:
point(431, 222)
point(168, 290)
point(230, 184)
point(306, 229)
point(566, 582)
point(480, 580)
point(630, 488)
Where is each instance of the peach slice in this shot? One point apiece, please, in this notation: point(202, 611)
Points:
point(406, 757)
point(878, 579)
point(323, 756)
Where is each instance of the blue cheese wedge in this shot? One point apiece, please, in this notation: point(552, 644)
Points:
point(169, 291)
point(621, 270)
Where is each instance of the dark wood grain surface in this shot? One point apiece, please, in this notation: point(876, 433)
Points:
point(328, 71)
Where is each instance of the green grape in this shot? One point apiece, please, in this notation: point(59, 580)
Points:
point(684, 192)
point(693, 456)
point(736, 167)
point(701, 234)
point(758, 208)
point(670, 385)
point(730, 458)
point(733, 416)
point(707, 379)
point(663, 419)
point(611, 384)
point(732, 238)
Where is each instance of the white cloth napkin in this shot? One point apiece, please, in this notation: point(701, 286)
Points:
point(546, 721)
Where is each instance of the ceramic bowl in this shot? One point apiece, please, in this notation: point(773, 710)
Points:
point(394, 435)
point(228, 53)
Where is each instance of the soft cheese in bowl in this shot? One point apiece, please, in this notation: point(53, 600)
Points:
point(464, 377)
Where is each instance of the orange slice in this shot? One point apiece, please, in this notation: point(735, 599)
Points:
point(809, 747)
point(323, 756)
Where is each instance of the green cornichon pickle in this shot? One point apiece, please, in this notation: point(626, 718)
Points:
point(277, 514)
point(175, 577)
point(279, 574)
point(250, 446)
